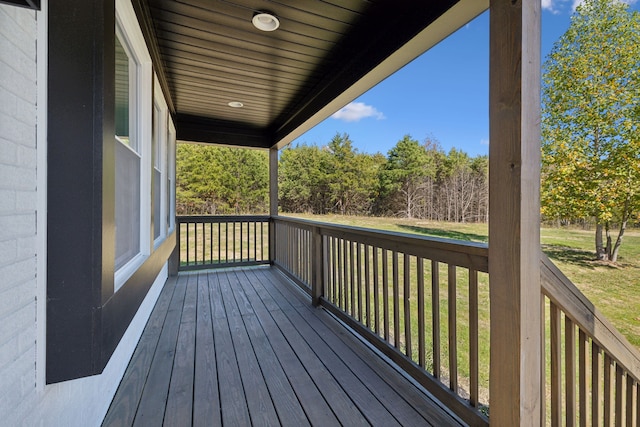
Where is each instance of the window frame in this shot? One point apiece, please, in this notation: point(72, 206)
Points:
point(141, 90)
point(159, 160)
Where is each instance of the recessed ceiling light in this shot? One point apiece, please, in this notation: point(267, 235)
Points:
point(265, 21)
point(235, 104)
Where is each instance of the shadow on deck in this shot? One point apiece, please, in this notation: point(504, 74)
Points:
point(245, 347)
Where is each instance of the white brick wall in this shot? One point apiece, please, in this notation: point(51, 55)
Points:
point(18, 201)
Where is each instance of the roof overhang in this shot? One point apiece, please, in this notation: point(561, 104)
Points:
point(324, 55)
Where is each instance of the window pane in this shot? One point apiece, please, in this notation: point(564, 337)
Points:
point(122, 94)
point(127, 205)
point(157, 196)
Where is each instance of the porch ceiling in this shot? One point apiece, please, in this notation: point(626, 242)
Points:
point(325, 53)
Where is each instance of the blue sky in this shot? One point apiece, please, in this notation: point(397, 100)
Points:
point(442, 95)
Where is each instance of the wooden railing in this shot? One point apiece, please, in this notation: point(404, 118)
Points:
point(597, 381)
point(222, 241)
point(423, 302)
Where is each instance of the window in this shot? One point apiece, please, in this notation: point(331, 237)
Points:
point(159, 141)
point(133, 151)
point(161, 198)
point(128, 157)
point(171, 176)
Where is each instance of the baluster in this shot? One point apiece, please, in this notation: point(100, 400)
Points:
point(334, 255)
point(219, 243)
point(608, 384)
point(255, 240)
point(385, 293)
point(226, 242)
point(345, 272)
point(407, 305)
point(582, 376)
point(453, 334)
point(376, 291)
point(421, 324)
point(556, 374)
point(367, 285)
point(188, 242)
point(340, 276)
point(570, 370)
point(473, 337)
point(396, 302)
point(637, 404)
point(435, 315)
point(596, 360)
point(204, 243)
point(352, 280)
point(619, 395)
point(234, 241)
point(359, 278)
point(631, 400)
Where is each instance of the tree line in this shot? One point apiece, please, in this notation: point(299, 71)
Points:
point(414, 180)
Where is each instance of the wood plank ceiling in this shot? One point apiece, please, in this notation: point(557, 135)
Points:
point(210, 54)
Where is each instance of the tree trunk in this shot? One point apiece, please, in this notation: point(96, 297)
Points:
point(616, 248)
point(601, 255)
point(608, 248)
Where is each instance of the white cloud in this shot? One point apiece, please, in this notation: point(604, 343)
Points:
point(354, 111)
point(484, 141)
point(548, 5)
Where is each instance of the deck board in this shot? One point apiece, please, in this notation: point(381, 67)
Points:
point(152, 404)
point(206, 400)
point(245, 347)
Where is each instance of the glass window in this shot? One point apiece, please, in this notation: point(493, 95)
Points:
point(159, 141)
point(171, 161)
point(127, 203)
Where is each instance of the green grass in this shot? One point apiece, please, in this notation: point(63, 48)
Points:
point(614, 289)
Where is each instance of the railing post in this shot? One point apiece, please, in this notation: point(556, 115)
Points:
point(317, 266)
point(273, 201)
point(514, 214)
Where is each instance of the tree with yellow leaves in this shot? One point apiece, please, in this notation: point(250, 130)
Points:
point(591, 122)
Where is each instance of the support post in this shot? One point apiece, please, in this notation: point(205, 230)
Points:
point(273, 200)
point(514, 215)
point(317, 266)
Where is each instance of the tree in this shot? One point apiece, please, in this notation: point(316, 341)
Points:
point(221, 180)
point(591, 121)
point(407, 169)
point(302, 180)
point(350, 177)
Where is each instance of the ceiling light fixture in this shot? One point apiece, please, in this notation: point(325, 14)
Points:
point(265, 21)
point(235, 104)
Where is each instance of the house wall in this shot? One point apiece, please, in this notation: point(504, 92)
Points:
point(24, 397)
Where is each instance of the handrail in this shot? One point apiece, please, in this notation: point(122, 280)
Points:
point(463, 253)
point(606, 371)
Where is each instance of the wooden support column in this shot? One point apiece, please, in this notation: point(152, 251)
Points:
point(273, 200)
point(514, 215)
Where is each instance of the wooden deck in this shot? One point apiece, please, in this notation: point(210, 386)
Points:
point(245, 347)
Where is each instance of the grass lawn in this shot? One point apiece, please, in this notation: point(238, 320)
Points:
point(614, 289)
